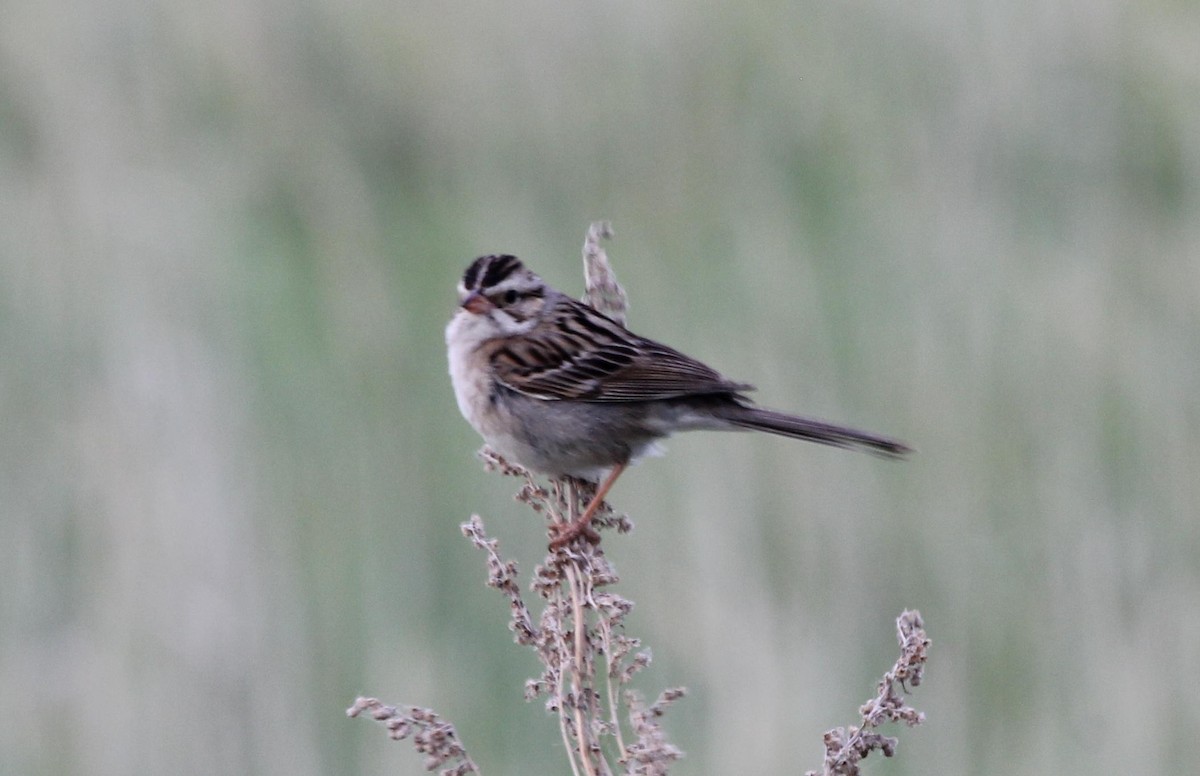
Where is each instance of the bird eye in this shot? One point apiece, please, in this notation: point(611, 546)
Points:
point(510, 296)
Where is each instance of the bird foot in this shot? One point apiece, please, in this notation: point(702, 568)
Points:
point(563, 534)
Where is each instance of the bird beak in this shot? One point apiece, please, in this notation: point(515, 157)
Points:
point(477, 303)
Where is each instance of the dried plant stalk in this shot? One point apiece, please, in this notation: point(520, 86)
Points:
point(588, 661)
point(432, 736)
point(602, 291)
point(845, 747)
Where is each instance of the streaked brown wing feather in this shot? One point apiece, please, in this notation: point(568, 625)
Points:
point(587, 357)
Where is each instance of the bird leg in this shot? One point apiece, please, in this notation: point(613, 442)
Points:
point(565, 534)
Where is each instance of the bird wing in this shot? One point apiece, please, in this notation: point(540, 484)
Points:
point(585, 356)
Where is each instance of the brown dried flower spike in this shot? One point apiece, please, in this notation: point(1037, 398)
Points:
point(845, 747)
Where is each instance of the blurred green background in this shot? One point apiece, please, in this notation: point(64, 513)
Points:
point(233, 471)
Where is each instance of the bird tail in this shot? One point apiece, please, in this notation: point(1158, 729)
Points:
point(796, 427)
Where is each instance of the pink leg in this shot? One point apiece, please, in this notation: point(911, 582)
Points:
point(581, 526)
